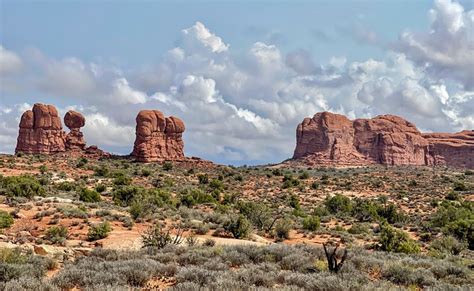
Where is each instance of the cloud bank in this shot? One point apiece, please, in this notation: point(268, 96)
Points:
point(244, 107)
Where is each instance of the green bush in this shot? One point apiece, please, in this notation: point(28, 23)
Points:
point(338, 204)
point(66, 186)
point(192, 197)
point(258, 214)
point(394, 240)
point(56, 234)
point(167, 166)
point(456, 219)
point(203, 179)
point(459, 186)
point(124, 196)
point(238, 226)
point(87, 195)
point(6, 220)
point(102, 171)
point(447, 245)
point(311, 223)
point(121, 179)
point(100, 188)
point(99, 231)
point(21, 186)
point(282, 229)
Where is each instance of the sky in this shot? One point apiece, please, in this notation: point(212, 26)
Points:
point(241, 74)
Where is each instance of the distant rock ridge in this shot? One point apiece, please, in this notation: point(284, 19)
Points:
point(158, 138)
point(333, 139)
point(41, 132)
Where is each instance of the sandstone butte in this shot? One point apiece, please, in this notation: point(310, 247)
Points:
point(158, 138)
point(333, 139)
point(41, 132)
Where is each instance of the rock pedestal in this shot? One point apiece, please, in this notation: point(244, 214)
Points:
point(41, 131)
point(75, 138)
point(158, 138)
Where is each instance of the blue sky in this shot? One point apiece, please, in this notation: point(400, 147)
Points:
point(242, 74)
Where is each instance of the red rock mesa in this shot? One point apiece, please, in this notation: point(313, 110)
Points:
point(333, 139)
point(158, 138)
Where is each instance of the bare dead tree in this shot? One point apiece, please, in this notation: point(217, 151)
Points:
point(156, 237)
point(335, 262)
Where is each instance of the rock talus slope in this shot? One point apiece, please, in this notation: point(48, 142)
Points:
point(333, 139)
point(158, 138)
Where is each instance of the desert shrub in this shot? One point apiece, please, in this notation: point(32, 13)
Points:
point(338, 204)
point(459, 186)
point(167, 166)
point(294, 202)
point(102, 171)
point(157, 238)
point(358, 228)
point(304, 175)
point(238, 226)
point(394, 240)
point(456, 219)
point(100, 188)
point(447, 245)
point(146, 172)
point(87, 195)
point(56, 234)
point(6, 220)
point(66, 186)
point(311, 223)
point(190, 197)
point(289, 181)
point(216, 185)
point(21, 186)
point(121, 179)
point(452, 195)
point(81, 162)
point(282, 229)
point(258, 214)
point(124, 196)
point(99, 231)
point(203, 178)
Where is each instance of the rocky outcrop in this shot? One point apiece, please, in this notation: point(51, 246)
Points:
point(75, 138)
point(158, 138)
point(455, 149)
point(41, 131)
point(333, 139)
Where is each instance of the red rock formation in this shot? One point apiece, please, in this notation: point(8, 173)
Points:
point(75, 138)
point(452, 148)
point(41, 131)
point(158, 138)
point(329, 138)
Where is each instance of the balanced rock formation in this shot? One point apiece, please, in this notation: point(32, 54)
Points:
point(41, 131)
point(333, 139)
point(158, 138)
point(75, 138)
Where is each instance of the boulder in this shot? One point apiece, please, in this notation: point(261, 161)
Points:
point(158, 138)
point(75, 138)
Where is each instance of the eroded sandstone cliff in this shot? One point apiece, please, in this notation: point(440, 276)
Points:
point(330, 138)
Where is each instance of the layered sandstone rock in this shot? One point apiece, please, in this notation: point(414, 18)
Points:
point(329, 138)
point(158, 138)
point(452, 148)
point(75, 138)
point(41, 131)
